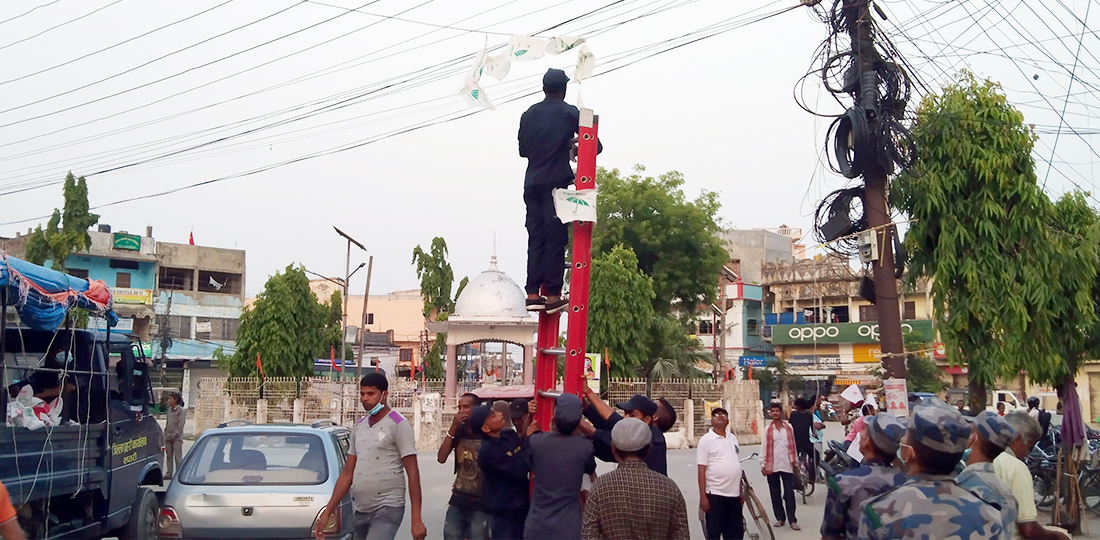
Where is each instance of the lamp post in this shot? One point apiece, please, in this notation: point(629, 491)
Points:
point(344, 308)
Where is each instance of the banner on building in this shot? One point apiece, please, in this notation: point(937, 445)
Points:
point(755, 361)
point(866, 353)
point(865, 332)
point(124, 295)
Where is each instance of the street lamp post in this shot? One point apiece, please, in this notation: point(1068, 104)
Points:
point(344, 308)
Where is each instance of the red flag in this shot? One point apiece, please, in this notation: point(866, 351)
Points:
point(260, 366)
point(332, 354)
point(191, 238)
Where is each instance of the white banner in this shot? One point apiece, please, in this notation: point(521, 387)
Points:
point(498, 66)
point(475, 96)
point(586, 62)
point(897, 398)
point(573, 205)
point(526, 48)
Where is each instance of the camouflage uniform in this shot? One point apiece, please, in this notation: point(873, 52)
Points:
point(980, 478)
point(932, 507)
point(847, 493)
point(849, 490)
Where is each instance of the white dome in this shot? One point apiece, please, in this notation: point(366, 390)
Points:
point(491, 295)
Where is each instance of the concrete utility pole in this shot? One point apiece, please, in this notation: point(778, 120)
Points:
point(363, 325)
point(860, 28)
point(344, 309)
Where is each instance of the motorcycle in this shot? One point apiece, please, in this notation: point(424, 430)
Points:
point(836, 459)
point(828, 411)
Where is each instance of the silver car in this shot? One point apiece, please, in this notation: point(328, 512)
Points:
point(258, 481)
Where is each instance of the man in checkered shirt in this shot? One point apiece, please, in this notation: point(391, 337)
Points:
point(633, 502)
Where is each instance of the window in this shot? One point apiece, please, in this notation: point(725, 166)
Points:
point(910, 311)
point(406, 356)
point(122, 279)
point(125, 265)
point(370, 319)
point(224, 329)
point(868, 313)
point(706, 328)
point(752, 327)
point(179, 326)
point(178, 279)
point(220, 282)
point(77, 272)
point(257, 459)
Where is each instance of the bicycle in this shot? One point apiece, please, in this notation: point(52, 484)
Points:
point(761, 528)
point(805, 472)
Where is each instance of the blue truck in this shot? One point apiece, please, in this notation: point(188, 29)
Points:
point(91, 474)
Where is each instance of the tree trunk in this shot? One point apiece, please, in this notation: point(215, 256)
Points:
point(977, 397)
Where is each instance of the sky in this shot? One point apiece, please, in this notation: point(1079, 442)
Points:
point(291, 117)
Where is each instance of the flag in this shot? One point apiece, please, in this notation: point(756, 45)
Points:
point(332, 354)
point(191, 238)
point(259, 366)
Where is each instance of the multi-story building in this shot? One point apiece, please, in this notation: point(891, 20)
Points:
point(823, 328)
point(393, 320)
point(127, 263)
point(198, 301)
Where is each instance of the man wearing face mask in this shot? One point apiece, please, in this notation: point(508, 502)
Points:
point(848, 490)
point(990, 437)
point(930, 504)
point(384, 440)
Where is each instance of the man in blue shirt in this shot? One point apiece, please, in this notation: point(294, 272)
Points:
point(546, 134)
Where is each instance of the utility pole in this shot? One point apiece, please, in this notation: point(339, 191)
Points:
point(363, 325)
point(165, 339)
point(860, 28)
point(344, 309)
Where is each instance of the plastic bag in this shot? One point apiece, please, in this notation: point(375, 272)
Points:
point(558, 45)
point(526, 48)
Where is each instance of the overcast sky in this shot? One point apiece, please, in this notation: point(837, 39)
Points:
point(225, 87)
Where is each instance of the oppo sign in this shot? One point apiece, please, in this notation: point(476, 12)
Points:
point(793, 334)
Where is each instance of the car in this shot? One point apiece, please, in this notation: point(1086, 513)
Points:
point(242, 480)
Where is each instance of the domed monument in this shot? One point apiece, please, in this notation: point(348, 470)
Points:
point(490, 308)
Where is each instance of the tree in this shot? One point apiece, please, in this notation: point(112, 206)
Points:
point(436, 279)
point(67, 230)
point(777, 378)
point(675, 240)
point(286, 326)
point(984, 231)
point(673, 351)
point(334, 324)
point(621, 311)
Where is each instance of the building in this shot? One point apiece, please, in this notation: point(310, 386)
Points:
point(127, 263)
point(198, 301)
point(399, 315)
point(823, 328)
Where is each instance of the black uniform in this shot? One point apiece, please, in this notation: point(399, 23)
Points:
point(657, 458)
point(503, 462)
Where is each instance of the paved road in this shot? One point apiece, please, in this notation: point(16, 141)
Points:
point(437, 478)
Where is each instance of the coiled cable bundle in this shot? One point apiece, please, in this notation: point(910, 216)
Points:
point(839, 215)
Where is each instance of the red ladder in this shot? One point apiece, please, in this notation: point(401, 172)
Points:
point(546, 371)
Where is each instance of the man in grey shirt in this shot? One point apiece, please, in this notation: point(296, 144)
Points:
point(559, 460)
point(381, 453)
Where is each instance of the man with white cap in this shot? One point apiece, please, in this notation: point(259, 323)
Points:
point(990, 437)
point(633, 502)
point(848, 490)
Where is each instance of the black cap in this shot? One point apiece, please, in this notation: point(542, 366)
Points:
point(517, 408)
point(555, 79)
point(567, 409)
point(639, 403)
point(478, 416)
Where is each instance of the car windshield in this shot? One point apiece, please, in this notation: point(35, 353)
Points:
point(256, 459)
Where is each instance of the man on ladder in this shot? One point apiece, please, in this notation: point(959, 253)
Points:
point(546, 135)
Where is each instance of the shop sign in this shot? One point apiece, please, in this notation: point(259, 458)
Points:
point(755, 361)
point(124, 295)
point(866, 332)
point(862, 353)
point(814, 360)
point(131, 242)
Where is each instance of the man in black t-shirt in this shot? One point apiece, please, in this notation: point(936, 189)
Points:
point(802, 421)
point(466, 518)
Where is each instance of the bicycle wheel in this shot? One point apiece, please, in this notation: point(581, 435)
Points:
point(758, 527)
point(806, 475)
point(1090, 491)
point(1044, 491)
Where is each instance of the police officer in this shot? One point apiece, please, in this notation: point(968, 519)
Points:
point(848, 490)
point(929, 504)
point(990, 437)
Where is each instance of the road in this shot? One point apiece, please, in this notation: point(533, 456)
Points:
point(436, 481)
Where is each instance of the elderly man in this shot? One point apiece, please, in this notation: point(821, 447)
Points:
point(930, 504)
point(990, 437)
point(1017, 477)
point(848, 490)
point(633, 502)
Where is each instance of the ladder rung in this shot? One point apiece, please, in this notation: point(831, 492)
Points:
point(549, 394)
point(559, 351)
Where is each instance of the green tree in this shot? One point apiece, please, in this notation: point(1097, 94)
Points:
point(776, 377)
point(673, 351)
point(286, 326)
point(988, 236)
point(675, 239)
point(436, 279)
point(67, 230)
point(334, 324)
point(620, 312)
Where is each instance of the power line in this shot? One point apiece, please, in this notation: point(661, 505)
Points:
point(59, 25)
point(29, 12)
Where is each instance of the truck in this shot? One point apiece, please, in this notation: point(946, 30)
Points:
point(993, 397)
point(90, 473)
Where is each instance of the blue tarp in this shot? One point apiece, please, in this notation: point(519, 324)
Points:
point(30, 286)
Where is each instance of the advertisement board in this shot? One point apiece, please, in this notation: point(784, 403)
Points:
point(864, 332)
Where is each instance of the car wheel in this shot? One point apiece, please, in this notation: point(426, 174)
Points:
point(143, 517)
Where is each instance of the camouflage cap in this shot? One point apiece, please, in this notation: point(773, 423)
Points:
point(939, 429)
point(886, 431)
point(994, 428)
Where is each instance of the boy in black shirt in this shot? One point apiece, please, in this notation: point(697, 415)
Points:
point(503, 461)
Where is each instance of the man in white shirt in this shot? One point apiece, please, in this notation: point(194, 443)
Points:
point(720, 479)
point(1015, 474)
